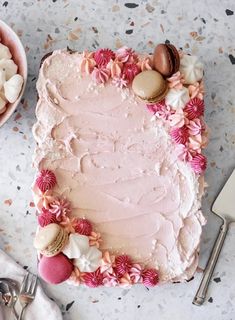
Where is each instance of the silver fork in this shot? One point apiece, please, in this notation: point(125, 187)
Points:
point(27, 292)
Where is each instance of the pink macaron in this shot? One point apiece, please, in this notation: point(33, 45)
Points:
point(55, 269)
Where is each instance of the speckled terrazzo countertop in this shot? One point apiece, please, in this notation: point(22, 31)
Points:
point(205, 28)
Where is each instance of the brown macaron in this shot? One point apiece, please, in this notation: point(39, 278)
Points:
point(150, 86)
point(166, 59)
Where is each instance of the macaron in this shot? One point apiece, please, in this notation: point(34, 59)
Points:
point(166, 59)
point(55, 269)
point(51, 240)
point(150, 86)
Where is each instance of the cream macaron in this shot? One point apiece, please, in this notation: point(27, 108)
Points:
point(150, 86)
point(51, 240)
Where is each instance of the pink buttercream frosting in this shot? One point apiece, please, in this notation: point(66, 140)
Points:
point(118, 167)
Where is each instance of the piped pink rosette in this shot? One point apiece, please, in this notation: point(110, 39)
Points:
point(186, 126)
point(91, 266)
point(121, 66)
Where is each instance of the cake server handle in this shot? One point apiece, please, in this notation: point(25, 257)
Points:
point(208, 272)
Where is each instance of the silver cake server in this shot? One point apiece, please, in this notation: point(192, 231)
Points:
point(224, 207)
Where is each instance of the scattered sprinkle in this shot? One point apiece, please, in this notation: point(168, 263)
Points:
point(231, 58)
point(149, 8)
point(131, 5)
point(229, 12)
point(69, 305)
point(210, 300)
point(95, 301)
point(115, 8)
point(95, 29)
point(130, 31)
point(74, 35)
point(8, 202)
point(18, 116)
point(217, 280)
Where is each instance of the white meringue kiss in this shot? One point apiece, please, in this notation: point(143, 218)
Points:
point(4, 52)
point(90, 261)
point(86, 258)
point(77, 245)
point(9, 67)
point(191, 68)
point(2, 78)
point(13, 87)
point(177, 98)
point(2, 105)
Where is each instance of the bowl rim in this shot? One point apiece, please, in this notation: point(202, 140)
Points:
point(12, 107)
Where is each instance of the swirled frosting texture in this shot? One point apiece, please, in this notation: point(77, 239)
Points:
point(119, 168)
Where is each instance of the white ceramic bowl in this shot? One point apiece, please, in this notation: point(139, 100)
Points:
point(10, 39)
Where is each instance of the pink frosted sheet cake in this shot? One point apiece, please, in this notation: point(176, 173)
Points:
point(119, 166)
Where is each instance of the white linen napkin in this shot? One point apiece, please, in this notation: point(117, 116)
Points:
point(42, 307)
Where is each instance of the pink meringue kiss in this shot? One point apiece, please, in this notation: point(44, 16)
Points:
point(46, 217)
point(93, 279)
point(110, 280)
point(100, 75)
point(194, 108)
point(146, 64)
point(136, 273)
point(150, 277)
point(180, 135)
point(126, 54)
point(195, 127)
point(115, 68)
point(176, 81)
point(196, 90)
point(130, 70)
point(120, 82)
point(103, 56)
point(178, 119)
point(76, 277)
point(88, 62)
point(160, 109)
point(107, 263)
point(199, 163)
point(123, 264)
point(46, 180)
point(83, 227)
point(125, 281)
point(183, 152)
point(60, 207)
point(95, 239)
